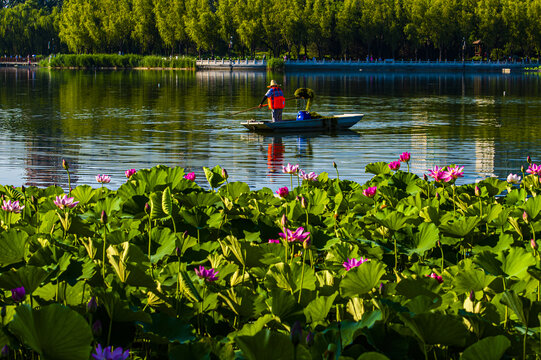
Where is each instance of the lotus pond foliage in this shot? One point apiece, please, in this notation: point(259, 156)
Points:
point(170, 266)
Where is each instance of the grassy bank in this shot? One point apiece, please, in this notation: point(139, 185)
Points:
point(116, 61)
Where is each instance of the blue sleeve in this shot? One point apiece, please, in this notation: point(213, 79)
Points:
point(270, 93)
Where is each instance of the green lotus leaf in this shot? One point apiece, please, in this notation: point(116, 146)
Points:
point(519, 305)
point(533, 207)
point(12, 246)
point(251, 329)
point(435, 328)
point(154, 179)
point(405, 181)
point(190, 351)
point(516, 262)
point(83, 194)
point(169, 328)
point(489, 263)
point(120, 310)
point(392, 220)
point(425, 239)
point(214, 176)
point(235, 189)
point(282, 303)
point(175, 177)
point(202, 199)
point(471, 280)
point(378, 168)
point(317, 310)
point(167, 240)
point(28, 276)
point(493, 185)
point(460, 227)
point(362, 279)
point(489, 348)
point(265, 345)
point(288, 277)
point(411, 288)
point(167, 202)
point(349, 330)
point(54, 331)
point(372, 356)
point(196, 217)
point(129, 262)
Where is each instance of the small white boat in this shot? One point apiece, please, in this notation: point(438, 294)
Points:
point(328, 123)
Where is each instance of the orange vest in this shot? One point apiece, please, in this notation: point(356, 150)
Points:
point(276, 98)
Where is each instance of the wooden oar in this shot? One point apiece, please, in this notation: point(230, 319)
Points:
point(255, 107)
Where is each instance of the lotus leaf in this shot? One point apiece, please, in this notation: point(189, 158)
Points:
point(54, 331)
point(362, 279)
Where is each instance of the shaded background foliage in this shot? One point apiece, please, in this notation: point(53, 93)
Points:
point(351, 28)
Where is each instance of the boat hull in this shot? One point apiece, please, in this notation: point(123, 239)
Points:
point(331, 123)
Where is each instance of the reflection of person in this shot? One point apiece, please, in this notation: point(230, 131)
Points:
point(275, 155)
point(277, 102)
point(303, 146)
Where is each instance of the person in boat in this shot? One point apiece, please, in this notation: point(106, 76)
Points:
point(276, 101)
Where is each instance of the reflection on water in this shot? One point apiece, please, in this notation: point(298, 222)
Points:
point(110, 121)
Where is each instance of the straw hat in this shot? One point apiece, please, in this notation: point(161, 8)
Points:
point(272, 83)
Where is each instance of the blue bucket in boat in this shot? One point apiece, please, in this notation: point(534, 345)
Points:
point(303, 115)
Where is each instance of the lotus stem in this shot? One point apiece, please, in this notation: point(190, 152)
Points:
point(110, 327)
point(454, 201)
point(291, 180)
point(103, 255)
point(524, 343)
point(69, 183)
point(302, 273)
point(442, 257)
point(395, 255)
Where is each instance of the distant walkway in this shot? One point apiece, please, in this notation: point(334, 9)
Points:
point(382, 65)
point(17, 62)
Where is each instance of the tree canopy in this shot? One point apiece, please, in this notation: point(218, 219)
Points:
point(353, 28)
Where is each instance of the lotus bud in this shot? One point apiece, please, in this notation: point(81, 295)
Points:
point(477, 191)
point(425, 177)
point(23, 189)
point(18, 294)
point(97, 328)
point(334, 165)
point(382, 289)
point(522, 169)
point(283, 221)
point(303, 202)
point(65, 164)
point(472, 296)
point(177, 251)
point(533, 244)
point(529, 159)
point(92, 305)
point(296, 333)
point(185, 234)
point(224, 174)
point(438, 196)
point(147, 208)
point(310, 338)
point(103, 217)
point(525, 217)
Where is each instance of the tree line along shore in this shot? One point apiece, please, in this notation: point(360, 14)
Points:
point(439, 29)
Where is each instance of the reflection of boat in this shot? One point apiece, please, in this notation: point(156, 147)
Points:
point(329, 123)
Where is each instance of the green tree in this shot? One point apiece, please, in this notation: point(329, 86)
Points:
point(491, 28)
point(144, 33)
point(201, 20)
point(247, 16)
point(170, 22)
point(321, 27)
point(347, 24)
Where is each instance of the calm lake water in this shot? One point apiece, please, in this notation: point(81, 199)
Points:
point(104, 122)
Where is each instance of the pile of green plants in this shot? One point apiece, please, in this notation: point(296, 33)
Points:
point(276, 64)
point(116, 61)
point(170, 266)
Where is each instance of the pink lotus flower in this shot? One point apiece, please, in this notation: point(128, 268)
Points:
point(13, 207)
point(351, 263)
point(129, 173)
point(290, 169)
point(437, 173)
point(513, 178)
point(18, 294)
point(283, 192)
point(370, 192)
point(437, 277)
point(274, 241)
point(65, 202)
point(453, 173)
point(534, 169)
point(312, 176)
point(190, 176)
point(207, 275)
point(298, 235)
point(405, 157)
point(533, 244)
point(103, 179)
point(394, 165)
